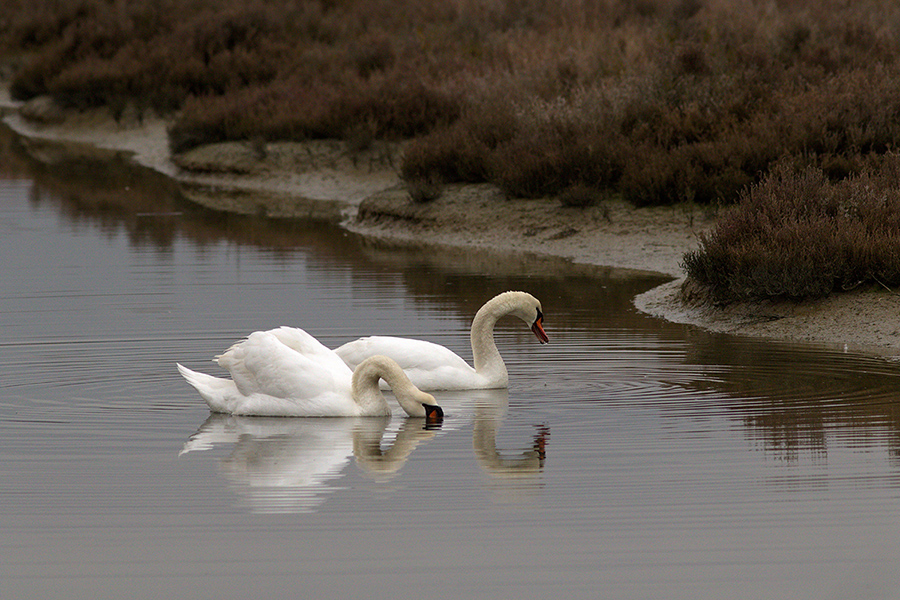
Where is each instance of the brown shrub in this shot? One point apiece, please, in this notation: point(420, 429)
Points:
point(662, 100)
point(446, 155)
point(400, 106)
point(297, 110)
point(545, 160)
point(797, 235)
point(461, 151)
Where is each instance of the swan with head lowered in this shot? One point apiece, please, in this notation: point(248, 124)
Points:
point(286, 372)
point(434, 367)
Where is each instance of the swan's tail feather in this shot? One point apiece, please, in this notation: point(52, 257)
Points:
point(213, 390)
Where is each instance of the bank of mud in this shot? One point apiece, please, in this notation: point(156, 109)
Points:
point(360, 188)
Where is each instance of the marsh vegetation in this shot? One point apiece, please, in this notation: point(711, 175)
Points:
point(776, 109)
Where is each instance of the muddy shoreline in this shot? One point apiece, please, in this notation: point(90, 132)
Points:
point(362, 191)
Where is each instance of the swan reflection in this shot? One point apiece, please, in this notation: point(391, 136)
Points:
point(515, 475)
point(281, 464)
point(288, 465)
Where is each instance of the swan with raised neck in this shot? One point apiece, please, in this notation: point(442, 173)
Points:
point(434, 367)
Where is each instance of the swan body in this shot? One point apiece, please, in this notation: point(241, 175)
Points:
point(288, 373)
point(433, 367)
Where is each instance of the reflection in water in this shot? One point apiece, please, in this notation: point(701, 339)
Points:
point(790, 397)
point(286, 464)
point(289, 464)
point(513, 477)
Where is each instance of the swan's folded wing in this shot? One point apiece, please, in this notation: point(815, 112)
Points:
point(310, 347)
point(233, 361)
point(411, 355)
point(264, 365)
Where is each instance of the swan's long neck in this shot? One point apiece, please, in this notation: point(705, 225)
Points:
point(365, 390)
point(368, 395)
point(484, 350)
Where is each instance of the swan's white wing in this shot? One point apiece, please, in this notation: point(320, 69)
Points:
point(310, 347)
point(409, 354)
point(429, 366)
point(262, 364)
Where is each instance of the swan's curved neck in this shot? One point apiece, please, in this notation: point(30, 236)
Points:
point(484, 350)
point(366, 391)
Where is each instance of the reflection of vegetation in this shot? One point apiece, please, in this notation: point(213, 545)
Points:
point(592, 294)
point(118, 195)
point(109, 190)
point(13, 161)
point(790, 397)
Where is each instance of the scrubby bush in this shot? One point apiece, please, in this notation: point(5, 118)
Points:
point(798, 235)
point(660, 101)
point(389, 108)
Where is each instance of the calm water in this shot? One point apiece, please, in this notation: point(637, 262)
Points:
point(677, 464)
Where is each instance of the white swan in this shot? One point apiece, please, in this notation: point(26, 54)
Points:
point(288, 373)
point(434, 367)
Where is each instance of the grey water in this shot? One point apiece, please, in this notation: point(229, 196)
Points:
point(630, 458)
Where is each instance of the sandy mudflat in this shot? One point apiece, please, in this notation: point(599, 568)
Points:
point(324, 180)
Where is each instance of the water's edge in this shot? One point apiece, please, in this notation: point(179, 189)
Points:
point(371, 201)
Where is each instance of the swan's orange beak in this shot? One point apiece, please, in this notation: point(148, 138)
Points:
point(538, 329)
point(434, 415)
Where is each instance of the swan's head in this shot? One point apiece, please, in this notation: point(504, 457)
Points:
point(538, 328)
point(528, 308)
point(414, 401)
point(422, 404)
point(434, 414)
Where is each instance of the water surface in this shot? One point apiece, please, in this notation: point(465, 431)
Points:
point(630, 458)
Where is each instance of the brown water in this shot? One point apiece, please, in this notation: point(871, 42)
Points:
point(677, 464)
